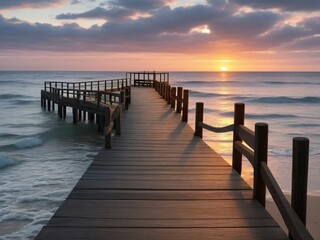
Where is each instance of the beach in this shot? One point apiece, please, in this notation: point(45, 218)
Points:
point(313, 216)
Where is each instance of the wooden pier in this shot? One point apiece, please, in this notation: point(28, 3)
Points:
point(159, 181)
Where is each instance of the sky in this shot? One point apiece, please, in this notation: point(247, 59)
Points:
point(166, 35)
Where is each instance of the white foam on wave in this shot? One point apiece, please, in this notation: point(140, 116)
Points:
point(6, 161)
point(29, 142)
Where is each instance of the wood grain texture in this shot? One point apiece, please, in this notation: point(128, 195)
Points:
point(159, 182)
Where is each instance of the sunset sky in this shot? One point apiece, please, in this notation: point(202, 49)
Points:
point(172, 35)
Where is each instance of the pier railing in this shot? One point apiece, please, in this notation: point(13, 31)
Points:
point(147, 79)
point(100, 85)
point(254, 146)
point(176, 97)
point(103, 100)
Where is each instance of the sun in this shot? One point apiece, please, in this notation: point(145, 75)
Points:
point(223, 69)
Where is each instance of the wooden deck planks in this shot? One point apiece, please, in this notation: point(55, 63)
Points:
point(159, 182)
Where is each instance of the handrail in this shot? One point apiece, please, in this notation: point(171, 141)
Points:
point(228, 128)
point(256, 151)
point(176, 97)
point(294, 224)
point(112, 84)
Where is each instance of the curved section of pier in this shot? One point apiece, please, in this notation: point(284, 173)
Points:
point(159, 181)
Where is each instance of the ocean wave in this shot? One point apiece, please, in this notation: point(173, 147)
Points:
point(281, 100)
point(260, 116)
point(6, 161)
point(24, 101)
point(206, 110)
point(29, 142)
point(290, 83)
point(288, 152)
point(303, 125)
point(206, 83)
point(206, 94)
point(7, 96)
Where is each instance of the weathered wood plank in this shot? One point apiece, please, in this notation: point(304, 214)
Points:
point(163, 185)
point(161, 223)
point(265, 233)
point(159, 194)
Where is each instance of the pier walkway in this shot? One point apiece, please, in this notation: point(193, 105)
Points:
point(159, 181)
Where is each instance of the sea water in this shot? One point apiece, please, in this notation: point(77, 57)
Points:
point(42, 157)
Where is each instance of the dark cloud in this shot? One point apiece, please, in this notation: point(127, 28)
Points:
point(28, 3)
point(282, 36)
point(309, 44)
point(75, 2)
point(312, 24)
point(118, 9)
point(245, 25)
point(99, 12)
point(139, 5)
point(286, 5)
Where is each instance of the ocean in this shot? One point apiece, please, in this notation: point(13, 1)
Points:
point(42, 157)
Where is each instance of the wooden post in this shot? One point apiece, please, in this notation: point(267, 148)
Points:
point(260, 155)
point(128, 97)
point(60, 110)
point(53, 107)
point(185, 105)
point(80, 115)
point(179, 100)
point(84, 116)
point(75, 115)
point(199, 118)
point(49, 105)
point(173, 96)
point(118, 121)
point(238, 120)
point(300, 162)
point(64, 111)
point(169, 95)
point(122, 98)
point(44, 103)
point(164, 90)
point(108, 120)
point(91, 117)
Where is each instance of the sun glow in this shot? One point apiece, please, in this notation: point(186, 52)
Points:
point(223, 69)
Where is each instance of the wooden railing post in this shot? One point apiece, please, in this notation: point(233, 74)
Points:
point(169, 95)
point(300, 162)
point(238, 120)
point(122, 98)
point(185, 105)
point(179, 99)
point(118, 121)
point(199, 118)
point(173, 97)
point(108, 135)
point(260, 155)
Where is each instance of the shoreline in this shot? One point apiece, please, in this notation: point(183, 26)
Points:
point(313, 216)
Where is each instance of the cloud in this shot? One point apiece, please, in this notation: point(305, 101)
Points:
point(75, 2)
point(139, 5)
point(165, 29)
point(28, 3)
point(99, 12)
point(285, 5)
point(245, 25)
point(118, 9)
